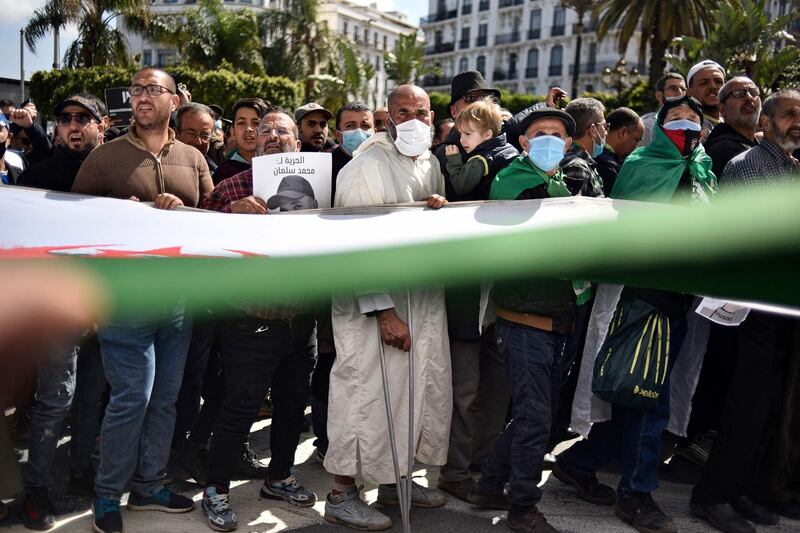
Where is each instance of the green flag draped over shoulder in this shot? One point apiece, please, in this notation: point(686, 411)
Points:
point(652, 173)
point(521, 175)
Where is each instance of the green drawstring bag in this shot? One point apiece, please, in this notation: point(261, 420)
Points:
point(631, 367)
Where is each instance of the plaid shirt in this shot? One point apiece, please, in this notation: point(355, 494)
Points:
point(228, 191)
point(580, 173)
point(760, 166)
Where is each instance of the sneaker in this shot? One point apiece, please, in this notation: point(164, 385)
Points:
point(699, 449)
point(107, 518)
point(164, 500)
point(248, 466)
point(350, 510)
point(37, 509)
point(216, 506)
point(643, 514)
point(531, 522)
point(489, 501)
point(420, 496)
point(459, 489)
point(319, 456)
point(82, 484)
point(586, 485)
point(3, 511)
point(289, 490)
point(192, 459)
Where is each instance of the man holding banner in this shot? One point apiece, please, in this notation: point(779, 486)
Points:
point(390, 168)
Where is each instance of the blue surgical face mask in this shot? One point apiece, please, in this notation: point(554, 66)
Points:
point(682, 124)
point(546, 151)
point(218, 124)
point(597, 149)
point(352, 139)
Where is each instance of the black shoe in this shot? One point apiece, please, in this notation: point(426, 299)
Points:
point(82, 484)
point(722, 516)
point(107, 518)
point(754, 511)
point(248, 466)
point(790, 509)
point(459, 489)
point(489, 501)
point(37, 509)
point(643, 514)
point(476, 468)
point(193, 459)
point(586, 485)
point(532, 522)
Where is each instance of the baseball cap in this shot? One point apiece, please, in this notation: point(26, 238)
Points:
point(80, 101)
point(310, 108)
point(292, 188)
point(707, 63)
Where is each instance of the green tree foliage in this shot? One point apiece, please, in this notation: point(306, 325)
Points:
point(405, 63)
point(295, 46)
point(222, 86)
point(348, 78)
point(211, 34)
point(514, 102)
point(744, 40)
point(54, 15)
point(660, 21)
point(100, 41)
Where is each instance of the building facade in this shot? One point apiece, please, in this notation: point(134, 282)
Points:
point(523, 46)
point(374, 31)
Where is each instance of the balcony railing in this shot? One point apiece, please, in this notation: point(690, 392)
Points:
point(440, 48)
point(480, 41)
point(532, 72)
point(439, 16)
point(555, 70)
point(556, 31)
point(463, 43)
point(506, 38)
point(466, 9)
point(508, 3)
point(535, 34)
point(484, 5)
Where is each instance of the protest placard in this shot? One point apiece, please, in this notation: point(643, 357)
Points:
point(293, 180)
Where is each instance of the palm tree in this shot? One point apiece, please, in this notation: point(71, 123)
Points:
point(210, 35)
point(661, 20)
point(348, 77)
point(581, 7)
point(295, 47)
point(405, 63)
point(54, 15)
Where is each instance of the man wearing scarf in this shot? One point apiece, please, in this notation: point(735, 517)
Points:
point(674, 168)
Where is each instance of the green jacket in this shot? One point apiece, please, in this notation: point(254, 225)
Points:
point(551, 298)
point(652, 173)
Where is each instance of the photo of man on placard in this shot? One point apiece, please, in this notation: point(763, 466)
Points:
point(294, 193)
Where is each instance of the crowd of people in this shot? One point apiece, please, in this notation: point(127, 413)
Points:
point(492, 396)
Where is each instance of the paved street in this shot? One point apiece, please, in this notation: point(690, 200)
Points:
point(256, 515)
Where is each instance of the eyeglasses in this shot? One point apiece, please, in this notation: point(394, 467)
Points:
point(65, 119)
point(604, 125)
point(739, 93)
point(267, 130)
point(152, 90)
point(189, 134)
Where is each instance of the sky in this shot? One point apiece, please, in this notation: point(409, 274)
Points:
point(15, 13)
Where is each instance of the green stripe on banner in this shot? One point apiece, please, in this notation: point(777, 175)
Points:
point(744, 247)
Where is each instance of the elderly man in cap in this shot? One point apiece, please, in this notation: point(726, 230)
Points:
point(392, 167)
point(704, 81)
point(263, 347)
point(312, 121)
point(534, 318)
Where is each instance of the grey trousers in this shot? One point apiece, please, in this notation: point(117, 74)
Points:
point(480, 403)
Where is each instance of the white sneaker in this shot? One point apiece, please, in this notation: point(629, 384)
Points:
point(350, 510)
point(420, 496)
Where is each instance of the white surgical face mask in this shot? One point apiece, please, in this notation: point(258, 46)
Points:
point(413, 137)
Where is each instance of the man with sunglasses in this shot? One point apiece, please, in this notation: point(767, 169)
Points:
point(739, 107)
point(81, 122)
point(312, 121)
point(143, 357)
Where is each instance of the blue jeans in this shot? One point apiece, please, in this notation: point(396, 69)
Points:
point(87, 406)
point(632, 436)
point(533, 367)
point(54, 394)
point(143, 361)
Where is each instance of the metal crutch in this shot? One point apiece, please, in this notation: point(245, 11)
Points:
point(403, 483)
